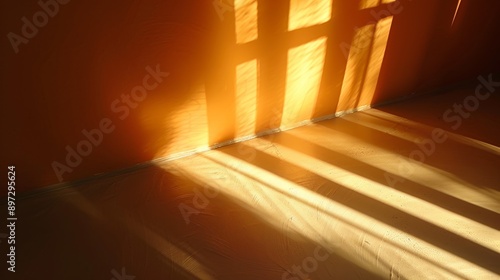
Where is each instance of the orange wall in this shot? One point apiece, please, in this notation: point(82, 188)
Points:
point(72, 73)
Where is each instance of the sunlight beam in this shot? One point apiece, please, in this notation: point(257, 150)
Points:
point(456, 12)
point(414, 206)
point(423, 174)
point(337, 227)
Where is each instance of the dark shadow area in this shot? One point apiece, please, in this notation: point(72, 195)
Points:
point(461, 45)
point(448, 110)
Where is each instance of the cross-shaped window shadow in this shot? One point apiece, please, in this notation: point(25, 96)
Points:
point(292, 61)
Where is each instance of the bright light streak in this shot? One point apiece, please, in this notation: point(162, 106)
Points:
point(456, 12)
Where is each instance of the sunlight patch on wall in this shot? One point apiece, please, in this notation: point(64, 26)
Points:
point(246, 98)
point(376, 58)
point(304, 13)
point(305, 69)
point(364, 63)
point(359, 54)
point(246, 20)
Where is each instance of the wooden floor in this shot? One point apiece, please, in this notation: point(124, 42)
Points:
point(405, 191)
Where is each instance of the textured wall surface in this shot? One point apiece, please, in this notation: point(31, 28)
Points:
point(85, 88)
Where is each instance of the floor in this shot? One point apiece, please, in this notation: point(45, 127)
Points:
point(404, 191)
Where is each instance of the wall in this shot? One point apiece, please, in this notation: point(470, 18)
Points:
point(234, 69)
